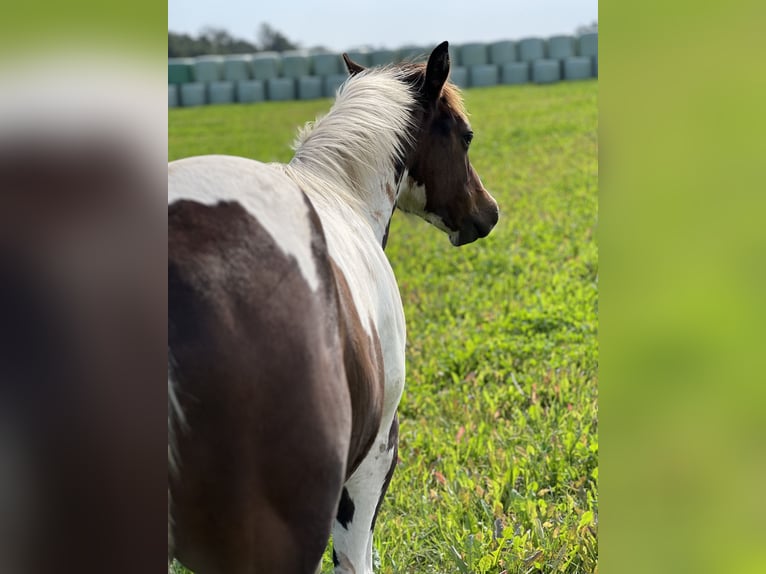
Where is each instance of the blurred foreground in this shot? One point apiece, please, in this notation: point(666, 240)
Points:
point(82, 315)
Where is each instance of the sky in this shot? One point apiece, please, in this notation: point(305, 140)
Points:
point(346, 24)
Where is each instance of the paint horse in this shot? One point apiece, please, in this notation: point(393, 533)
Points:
point(286, 332)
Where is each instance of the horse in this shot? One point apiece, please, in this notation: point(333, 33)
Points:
point(286, 333)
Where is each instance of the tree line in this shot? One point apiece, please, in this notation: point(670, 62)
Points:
point(218, 41)
point(212, 40)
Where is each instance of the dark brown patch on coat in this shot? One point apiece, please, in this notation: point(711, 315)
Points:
point(390, 192)
point(263, 391)
point(363, 360)
point(346, 509)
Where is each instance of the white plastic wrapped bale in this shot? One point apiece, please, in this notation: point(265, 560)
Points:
point(454, 55)
point(546, 71)
point(193, 94)
point(309, 87)
point(208, 68)
point(172, 95)
point(473, 55)
point(361, 57)
point(180, 70)
point(587, 45)
point(577, 68)
point(280, 89)
point(249, 91)
point(221, 92)
point(481, 76)
point(326, 64)
point(383, 57)
point(531, 49)
point(458, 75)
point(332, 83)
point(295, 63)
point(502, 52)
point(561, 47)
point(515, 73)
point(266, 65)
point(237, 67)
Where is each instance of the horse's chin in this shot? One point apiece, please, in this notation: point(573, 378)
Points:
point(473, 229)
point(465, 236)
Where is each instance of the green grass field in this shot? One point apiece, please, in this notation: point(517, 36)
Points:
point(499, 446)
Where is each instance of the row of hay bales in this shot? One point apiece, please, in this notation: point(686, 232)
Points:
point(302, 75)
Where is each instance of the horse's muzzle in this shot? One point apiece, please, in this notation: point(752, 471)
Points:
point(476, 227)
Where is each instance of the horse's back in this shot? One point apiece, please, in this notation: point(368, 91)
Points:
point(267, 417)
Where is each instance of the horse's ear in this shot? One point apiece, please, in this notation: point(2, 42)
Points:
point(437, 71)
point(352, 67)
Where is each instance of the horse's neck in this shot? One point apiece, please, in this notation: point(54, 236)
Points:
point(347, 157)
point(362, 205)
point(378, 206)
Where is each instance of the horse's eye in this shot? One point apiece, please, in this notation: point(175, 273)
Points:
point(467, 138)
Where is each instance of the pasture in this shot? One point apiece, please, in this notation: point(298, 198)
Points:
point(499, 447)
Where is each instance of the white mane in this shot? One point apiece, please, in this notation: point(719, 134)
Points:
point(360, 138)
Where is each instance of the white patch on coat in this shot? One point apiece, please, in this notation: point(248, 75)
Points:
point(364, 487)
point(262, 189)
point(412, 199)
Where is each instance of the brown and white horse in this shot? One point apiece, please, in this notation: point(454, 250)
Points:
point(286, 334)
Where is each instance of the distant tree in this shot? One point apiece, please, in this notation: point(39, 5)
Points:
point(213, 40)
point(270, 39)
point(183, 46)
point(218, 39)
point(590, 28)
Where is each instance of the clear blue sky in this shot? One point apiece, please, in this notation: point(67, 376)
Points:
point(344, 24)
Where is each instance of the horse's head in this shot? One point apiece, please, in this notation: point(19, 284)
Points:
point(440, 184)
